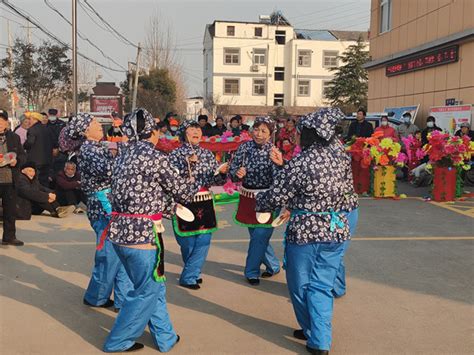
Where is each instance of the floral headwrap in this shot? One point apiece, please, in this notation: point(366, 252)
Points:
point(270, 122)
point(130, 124)
point(324, 121)
point(78, 125)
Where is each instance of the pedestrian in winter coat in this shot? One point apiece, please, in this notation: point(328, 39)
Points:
point(9, 171)
point(39, 146)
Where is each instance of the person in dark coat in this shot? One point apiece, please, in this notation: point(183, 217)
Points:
point(430, 127)
point(360, 127)
point(235, 126)
point(55, 125)
point(219, 128)
point(34, 198)
point(39, 146)
point(206, 127)
point(242, 126)
point(465, 130)
point(9, 171)
point(68, 187)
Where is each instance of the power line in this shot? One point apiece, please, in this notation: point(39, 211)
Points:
point(319, 12)
point(82, 36)
point(21, 13)
point(329, 19)
point(109, 25)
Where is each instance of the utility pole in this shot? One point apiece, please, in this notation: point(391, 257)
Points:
point(28, 32)
point(135, 84)
point(10, 56)
point(74, 56)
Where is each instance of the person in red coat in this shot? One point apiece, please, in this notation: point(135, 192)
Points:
point(388, 131)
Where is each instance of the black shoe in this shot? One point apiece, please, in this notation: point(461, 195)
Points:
point(107, 304)
point(191, 287)
point(15, 242)
point(317, 351)
point(299, 334)
point(253, 282)
point(199, 281)
point(267, 274)
point(134, 347)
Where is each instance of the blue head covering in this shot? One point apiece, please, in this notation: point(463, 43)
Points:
point(270, 122)
point(78, 125)
point(130, 124)
point(324, 121)
point(181, 132)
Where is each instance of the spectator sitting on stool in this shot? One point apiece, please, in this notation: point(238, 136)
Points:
point(34, 198)
point(68, 187)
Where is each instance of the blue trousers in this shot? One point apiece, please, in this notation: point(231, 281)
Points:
point(194, 251)
point(340, 283)
point(311, 270)
point(260, 252)
point(146, 304)
point(108, 273)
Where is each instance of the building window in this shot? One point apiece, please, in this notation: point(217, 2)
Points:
point(231, 86)
point(303, 87)
point(330, 59)
point(278, 100)
point(280, 73)
point(326, 85)
point(280, 37)
point(259, 87)
point(259, 56)
point(232, 56)
point(304, 58)
point(385, 15)
point(230, 30)
point(258, 32)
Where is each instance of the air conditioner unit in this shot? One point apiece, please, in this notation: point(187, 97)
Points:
point(254, 67)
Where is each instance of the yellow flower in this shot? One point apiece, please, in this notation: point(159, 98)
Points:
point(386, 143)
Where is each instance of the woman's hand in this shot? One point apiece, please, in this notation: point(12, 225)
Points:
point(224, 169)
point(276, 156)
point(241, 173)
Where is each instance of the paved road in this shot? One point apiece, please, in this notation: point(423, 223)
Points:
point(410, 289)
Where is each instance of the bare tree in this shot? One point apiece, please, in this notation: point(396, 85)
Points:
point(160, 53)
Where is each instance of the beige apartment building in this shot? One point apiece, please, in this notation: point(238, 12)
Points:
point(253, 67)
point(422, 52)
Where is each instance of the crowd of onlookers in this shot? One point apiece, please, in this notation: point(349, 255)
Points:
point(35, 176)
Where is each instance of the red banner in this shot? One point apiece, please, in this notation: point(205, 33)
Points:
point(105, 103)
point(167, 145)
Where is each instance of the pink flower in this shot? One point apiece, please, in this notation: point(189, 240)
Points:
point(420, 154)
point(401, 158)
point(227, 134)
point(230, 187)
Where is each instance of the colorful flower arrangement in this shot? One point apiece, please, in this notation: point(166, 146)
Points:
point(449, 151)
point(377, 151)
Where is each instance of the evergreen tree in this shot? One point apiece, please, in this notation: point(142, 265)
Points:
point(348, 89)
point(156, 92)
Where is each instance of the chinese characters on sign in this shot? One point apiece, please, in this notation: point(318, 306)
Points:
point(430, 59)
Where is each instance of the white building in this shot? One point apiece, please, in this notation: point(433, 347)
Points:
point(251, 67)
point(194, 107)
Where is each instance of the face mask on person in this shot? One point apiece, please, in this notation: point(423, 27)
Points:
point(52, 118)
point(430, 124)
point(116, 129)
point(281, 125)
point(174, 129)
point(384, 123)
point(406, 120)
